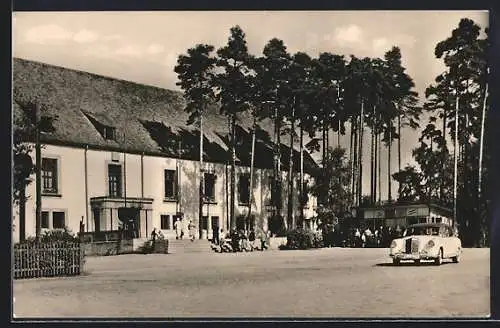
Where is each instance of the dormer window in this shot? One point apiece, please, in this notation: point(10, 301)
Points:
point(102, 125)
point(108, 133)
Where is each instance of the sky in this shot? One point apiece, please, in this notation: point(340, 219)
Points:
point(143, 46)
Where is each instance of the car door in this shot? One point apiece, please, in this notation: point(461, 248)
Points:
point(456, 242)
point(448, 244)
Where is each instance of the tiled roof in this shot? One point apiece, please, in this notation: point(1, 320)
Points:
point(146, 119)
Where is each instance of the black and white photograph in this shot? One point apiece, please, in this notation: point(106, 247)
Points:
point(250, 164)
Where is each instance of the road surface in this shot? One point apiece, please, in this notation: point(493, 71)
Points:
point(338, 283)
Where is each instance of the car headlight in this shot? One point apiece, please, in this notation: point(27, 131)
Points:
point(394, 244)
point(430, 244)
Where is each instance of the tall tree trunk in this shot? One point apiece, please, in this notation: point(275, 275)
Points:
point(22, 213)
point(375, 166)
point(484, 225)
point(202, 180)
point(233, 171)
point(302, 197)
point(290, 212)
point(226, 179)
point(372, 166)
point(323, 165)
point(481, 143)
point(338, 135)
point(389, 195)
point(372, 161)
point(252, 157)
point(399, 150)
point(277, 166)
point(351, 161)
point(355, 166)
point(379, 175)
point(465, 194)
point(38, 167)
point(455, 156)
point(360, 165)
point(444, 161)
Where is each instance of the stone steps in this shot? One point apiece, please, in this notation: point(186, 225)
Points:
point(187, 246)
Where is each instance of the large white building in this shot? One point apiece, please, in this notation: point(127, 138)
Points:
point(119, 144)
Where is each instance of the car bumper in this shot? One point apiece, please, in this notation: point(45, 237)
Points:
point(414, 256)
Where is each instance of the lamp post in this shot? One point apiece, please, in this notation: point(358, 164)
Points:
point(38, 172)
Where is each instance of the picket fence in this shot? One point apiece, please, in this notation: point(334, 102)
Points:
point(35, 260)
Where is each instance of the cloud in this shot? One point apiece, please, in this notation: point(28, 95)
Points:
point(312, 40)
point(85, 36)
point(155, 48)
point(99, 51)
point(348, 34)
point(380, 45)
point(170, 60)
point(47, 34)
point(111, 37)
point(130, 51)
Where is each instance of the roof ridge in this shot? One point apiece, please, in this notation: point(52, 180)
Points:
point(113, 78)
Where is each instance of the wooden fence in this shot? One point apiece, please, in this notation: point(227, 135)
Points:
point(34, 260)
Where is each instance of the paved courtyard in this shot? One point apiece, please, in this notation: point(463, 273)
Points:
point(315, 283)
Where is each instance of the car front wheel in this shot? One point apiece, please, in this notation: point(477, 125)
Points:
point(396, 261)
point(439, 260)
point(456, 259)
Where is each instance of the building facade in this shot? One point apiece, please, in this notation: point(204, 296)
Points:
point(119, 149)
point(405, 214)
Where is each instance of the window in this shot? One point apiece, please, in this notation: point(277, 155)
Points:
point(58, 220)
point(240, 222)
point(412, 221)
point(204, 222)
point(170, 178)
point(115, 180)
point(275, 190)
point(97, 219)
point(108, 133)
point(165, 222)
point(251, 222)
point(244, 188)
point(49, 175)
point(215, 223)
point(210, 179)
point(439, 220)
point(45, 220)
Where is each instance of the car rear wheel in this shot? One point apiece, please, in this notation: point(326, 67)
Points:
point(456, 259)
point(417, 262)
point(396, 261)
point(439, 260)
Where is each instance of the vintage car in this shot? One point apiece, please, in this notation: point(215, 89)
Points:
point(427, 241)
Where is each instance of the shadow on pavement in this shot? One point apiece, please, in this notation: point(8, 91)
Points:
point(411, 264)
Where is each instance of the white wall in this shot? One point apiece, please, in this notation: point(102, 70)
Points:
point(71, 176)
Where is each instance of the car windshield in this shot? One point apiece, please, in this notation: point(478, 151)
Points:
point(422, 231)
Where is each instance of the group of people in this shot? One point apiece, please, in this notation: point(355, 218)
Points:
point(240, 241)
point(360, 236)
point(379, 237)
point(184, 228)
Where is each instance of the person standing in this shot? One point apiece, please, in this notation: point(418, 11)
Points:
point(357, 238)
point(216, 237)
point(178, 229)
point(190, 228)
point(153, 237)
point(251, 239)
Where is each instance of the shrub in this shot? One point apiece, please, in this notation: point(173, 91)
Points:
point(301, 239)
point(51, 236)
point(54, 254)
